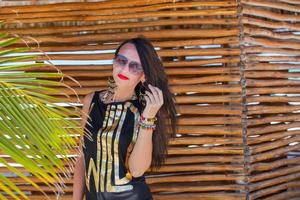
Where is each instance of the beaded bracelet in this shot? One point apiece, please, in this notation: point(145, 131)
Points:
point(147, 123)
point(153, 119)
point(147, 126)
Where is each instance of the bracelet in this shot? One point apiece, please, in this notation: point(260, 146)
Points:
point(147, 123)
point(153, 119)
point(147, 126)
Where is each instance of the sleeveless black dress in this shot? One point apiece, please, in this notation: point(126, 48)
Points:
point(114, 130)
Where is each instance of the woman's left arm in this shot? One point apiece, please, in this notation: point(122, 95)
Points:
point(141, 156)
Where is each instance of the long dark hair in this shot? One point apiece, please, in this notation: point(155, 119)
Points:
point(166, 125)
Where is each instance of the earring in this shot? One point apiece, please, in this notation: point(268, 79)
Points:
point(109, 95)
point(111, 84)
point(142, 99)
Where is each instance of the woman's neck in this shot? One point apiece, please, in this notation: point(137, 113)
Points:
point(123, 94)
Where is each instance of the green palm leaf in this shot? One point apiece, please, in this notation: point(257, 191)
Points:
point(35, 132)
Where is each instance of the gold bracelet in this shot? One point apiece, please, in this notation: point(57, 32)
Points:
point(153, 119)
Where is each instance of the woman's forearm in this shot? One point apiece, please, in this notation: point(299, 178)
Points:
point(141, 155)
point(78, 180)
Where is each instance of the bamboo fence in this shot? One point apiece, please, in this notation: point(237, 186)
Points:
point(233, 66)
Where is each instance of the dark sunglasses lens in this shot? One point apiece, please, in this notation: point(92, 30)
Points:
point(120, 60)
point(133, 67)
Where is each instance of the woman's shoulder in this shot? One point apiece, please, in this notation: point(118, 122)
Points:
point(87, 99)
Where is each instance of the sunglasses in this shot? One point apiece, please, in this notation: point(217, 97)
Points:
point(134, 67)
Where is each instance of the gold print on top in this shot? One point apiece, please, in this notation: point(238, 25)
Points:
point(135, 133)
point(117, 179)
point(108, 130)
point(109, 186)
point(92, 167)
point(114, 115)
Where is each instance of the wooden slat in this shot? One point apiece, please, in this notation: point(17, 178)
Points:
point(272, 95)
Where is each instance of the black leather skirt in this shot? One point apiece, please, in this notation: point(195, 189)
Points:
point(140, 191)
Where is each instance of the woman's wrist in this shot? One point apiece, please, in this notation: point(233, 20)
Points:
point(148, 119)
point(146, 122)
point(148, 114)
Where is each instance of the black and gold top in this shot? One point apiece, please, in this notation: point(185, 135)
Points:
point(114, 130)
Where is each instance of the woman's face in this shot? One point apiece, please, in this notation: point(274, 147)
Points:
point(127, 68)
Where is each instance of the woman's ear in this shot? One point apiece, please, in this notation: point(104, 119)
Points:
point(143, 78)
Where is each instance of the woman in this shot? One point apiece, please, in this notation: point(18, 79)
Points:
point(129, 124)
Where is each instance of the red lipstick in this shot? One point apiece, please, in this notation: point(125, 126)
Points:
point(121, 76)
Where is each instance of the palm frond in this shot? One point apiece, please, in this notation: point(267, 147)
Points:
point(35, 132)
